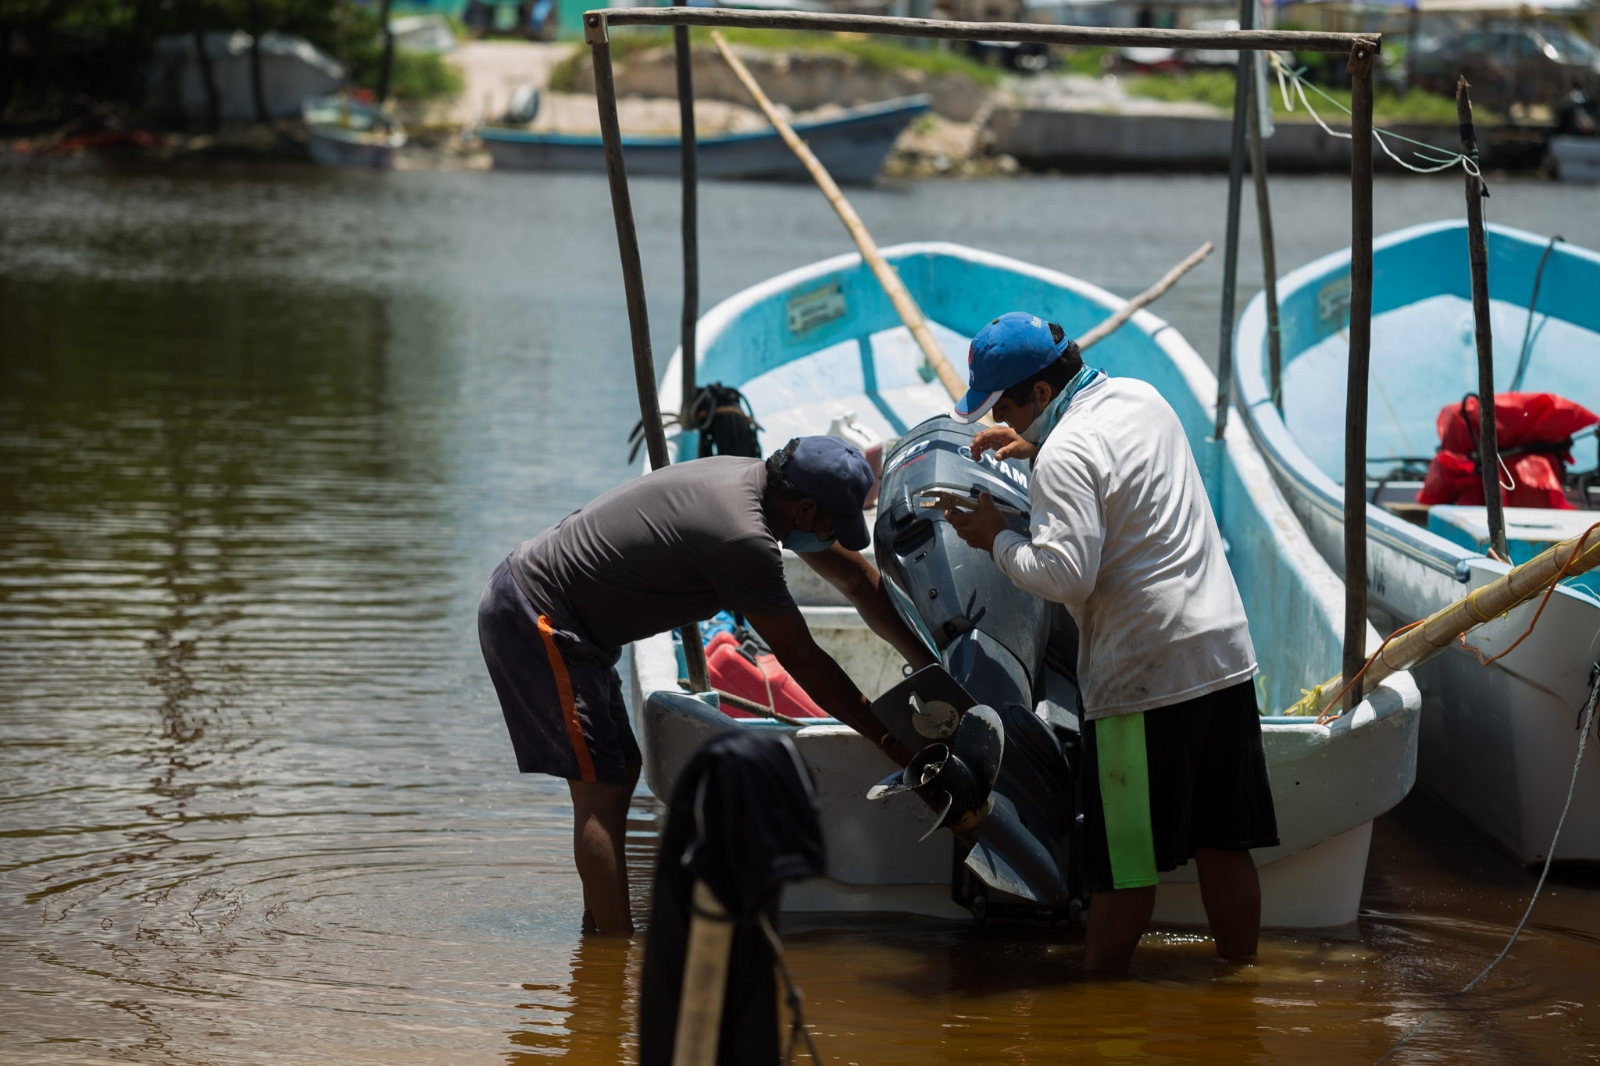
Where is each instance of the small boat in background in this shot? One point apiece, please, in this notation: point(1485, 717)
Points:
point(1576, 159)
point(1497, 742)
point(347, 133)
point(852, 145)
point(822, 344)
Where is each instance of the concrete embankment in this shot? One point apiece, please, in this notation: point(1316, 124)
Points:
point(1049, 139)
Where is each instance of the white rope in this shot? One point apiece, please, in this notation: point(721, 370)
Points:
point(1286, 75)
point(1583, 738)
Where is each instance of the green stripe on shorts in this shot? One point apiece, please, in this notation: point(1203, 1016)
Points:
point(1125, 799)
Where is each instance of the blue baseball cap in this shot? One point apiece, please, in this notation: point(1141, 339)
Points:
point(1006, 352)
point(837, 476)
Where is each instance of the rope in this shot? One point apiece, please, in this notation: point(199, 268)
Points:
point(1577, 550)
point(791, 995)
point(1445, 162)
point(1583, 738)
point(1527, 330)
point(1312, 697)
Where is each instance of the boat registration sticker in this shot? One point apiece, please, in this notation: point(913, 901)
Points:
point(1333, 301)
point(808, 310)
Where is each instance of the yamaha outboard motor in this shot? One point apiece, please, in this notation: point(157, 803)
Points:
point(1006, 685)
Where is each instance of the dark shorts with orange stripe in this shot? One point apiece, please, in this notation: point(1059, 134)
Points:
point(559, 691)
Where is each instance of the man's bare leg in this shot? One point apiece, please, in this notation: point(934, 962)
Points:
point(1117, 920)
point(1231, 892)
point(599, 835)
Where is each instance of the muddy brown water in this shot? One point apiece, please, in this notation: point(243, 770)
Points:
point(263, 434)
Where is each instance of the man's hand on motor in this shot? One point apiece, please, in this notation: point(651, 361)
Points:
point(979, 528)
point(1005, 441)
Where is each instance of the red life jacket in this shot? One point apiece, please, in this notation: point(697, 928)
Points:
point(1534, 433)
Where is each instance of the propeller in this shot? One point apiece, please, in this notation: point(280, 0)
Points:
point(956, 778)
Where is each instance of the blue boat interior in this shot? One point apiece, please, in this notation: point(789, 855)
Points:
point(1424, 353)
point(852, 354)
point(1424, 358)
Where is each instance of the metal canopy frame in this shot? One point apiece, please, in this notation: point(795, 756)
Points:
point(1361, 48)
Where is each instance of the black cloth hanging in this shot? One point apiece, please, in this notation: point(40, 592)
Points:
point(743, 819)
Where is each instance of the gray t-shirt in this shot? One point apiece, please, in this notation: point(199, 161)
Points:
point(659, 552)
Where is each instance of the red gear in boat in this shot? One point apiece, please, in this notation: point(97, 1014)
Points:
point(1534, 431)
point(756, 676)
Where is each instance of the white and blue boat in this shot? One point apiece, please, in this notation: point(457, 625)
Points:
point(1497, 743)
point(812, 344)
point(852, 145)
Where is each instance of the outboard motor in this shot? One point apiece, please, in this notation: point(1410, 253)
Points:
point(1006, 657)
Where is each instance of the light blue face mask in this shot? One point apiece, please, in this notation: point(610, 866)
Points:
point(801, 540)
point(1044, 421)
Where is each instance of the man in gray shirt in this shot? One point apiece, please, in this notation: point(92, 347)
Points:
point(651, 555)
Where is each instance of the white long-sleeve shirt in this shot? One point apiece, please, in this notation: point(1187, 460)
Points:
point(1122, 533)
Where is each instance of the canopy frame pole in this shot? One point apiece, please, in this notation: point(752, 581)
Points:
point(690, 168)
point(1269, 251)
point(1116, 37)
point(1478, 253)
point(644, 368)
point(1244, 77)
point(1355, 425)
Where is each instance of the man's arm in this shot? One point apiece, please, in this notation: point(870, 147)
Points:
point(862, 585)
point(823, 679)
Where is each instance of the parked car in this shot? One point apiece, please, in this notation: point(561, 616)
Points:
point(1511, 62)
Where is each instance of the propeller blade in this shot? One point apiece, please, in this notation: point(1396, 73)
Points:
point(892, 785)
point(938, 823)
point(980, 741)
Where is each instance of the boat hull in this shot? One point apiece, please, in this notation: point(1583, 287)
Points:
point(1497, 743)
point(852, 148)
point(1329, 781)
point(332, 151)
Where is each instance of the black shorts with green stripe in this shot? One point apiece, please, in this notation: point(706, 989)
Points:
point(1161, 783)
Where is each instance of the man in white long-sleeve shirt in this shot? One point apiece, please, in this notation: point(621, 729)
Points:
point(1122, 533)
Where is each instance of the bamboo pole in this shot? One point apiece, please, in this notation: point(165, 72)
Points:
point(1511, 590)
point(644, 368)
point(705, 980)
point(689, 151)
point(1283, 40)
point(1269, 252)
point(1478, 254)
point(1355, 425)
point(896, 290)
point(1150, 295)
point(1244, 77)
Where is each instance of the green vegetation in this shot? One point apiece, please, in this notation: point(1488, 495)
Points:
point(1215, 87)
point(1090, 61)
point(874, 53)
point(417, 76)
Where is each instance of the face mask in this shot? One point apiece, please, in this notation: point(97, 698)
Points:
point(1044, 421)
point(800, 540)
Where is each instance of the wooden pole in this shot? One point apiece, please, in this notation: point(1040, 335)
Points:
point(1127, 310)
point(386, 71)
point(644, 369)
point(1478, 253)
point(705, 980)
point(1355, 423)
point(1244, 77)
point(898, 295)
point(1093, 36)
point(1269, 252)
point(1522, 584)
point(691, 209)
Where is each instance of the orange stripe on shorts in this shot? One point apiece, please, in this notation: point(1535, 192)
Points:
point(569, 706)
